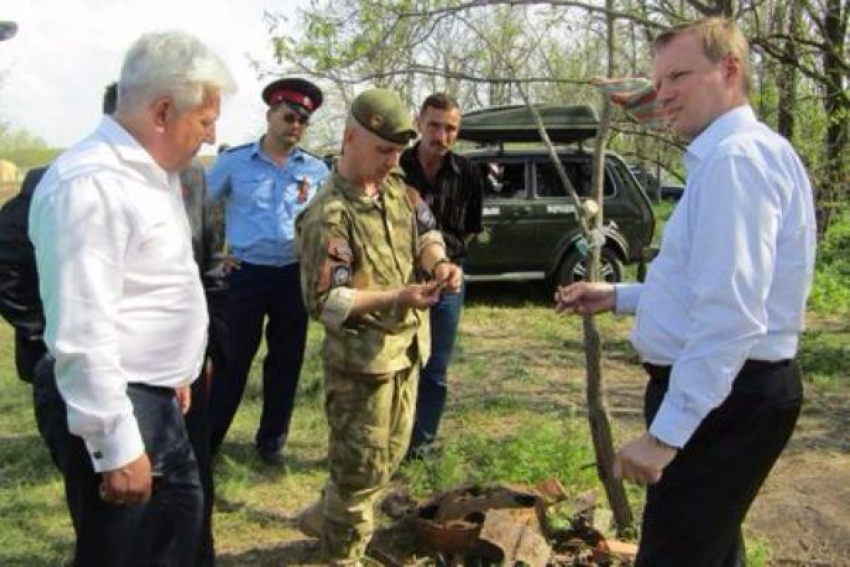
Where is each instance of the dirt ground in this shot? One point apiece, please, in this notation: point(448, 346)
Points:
point(803, 510)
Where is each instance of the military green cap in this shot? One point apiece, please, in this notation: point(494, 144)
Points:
point(383, 113)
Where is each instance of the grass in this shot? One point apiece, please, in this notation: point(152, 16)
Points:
point(515, 414)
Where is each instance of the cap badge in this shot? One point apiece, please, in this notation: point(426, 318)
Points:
point(376, 122)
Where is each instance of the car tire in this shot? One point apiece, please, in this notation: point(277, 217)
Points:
point(574, 267)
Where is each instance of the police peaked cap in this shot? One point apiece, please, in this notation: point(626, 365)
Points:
point(300, 94)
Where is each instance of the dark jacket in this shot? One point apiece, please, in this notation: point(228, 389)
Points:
point(20, 303)
point(207, 223)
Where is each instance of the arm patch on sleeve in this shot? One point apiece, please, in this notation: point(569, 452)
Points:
point(336, 270)
point(425, 220)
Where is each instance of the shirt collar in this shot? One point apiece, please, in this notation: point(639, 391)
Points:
point(257, 150)
point(449, 159)
point(129, 149)
point(452, 160)
point(722, 126)
point(355, 196)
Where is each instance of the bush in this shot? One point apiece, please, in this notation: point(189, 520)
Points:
point(831, 290)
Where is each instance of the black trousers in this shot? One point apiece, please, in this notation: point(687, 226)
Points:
point(693, 515)
point(162, 532)
point(198, 420)
point(254, 294)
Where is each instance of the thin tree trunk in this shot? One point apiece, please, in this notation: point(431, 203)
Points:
point(833, 187)
point(597, 414)
point(786, 78)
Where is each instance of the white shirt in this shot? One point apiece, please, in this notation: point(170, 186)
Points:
point(734, 271)
point(122, 298)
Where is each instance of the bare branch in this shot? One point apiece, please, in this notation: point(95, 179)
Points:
point(464, 6)
point(430, 71)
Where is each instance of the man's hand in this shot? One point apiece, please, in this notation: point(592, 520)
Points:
point(419, 296)
point(643, 460)
point(230, 264)
point(184, 398)
point(585, 298)
point(450, 273)
point(128, 485)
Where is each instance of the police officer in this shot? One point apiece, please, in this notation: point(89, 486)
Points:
point(264, 185)
point(362, 243)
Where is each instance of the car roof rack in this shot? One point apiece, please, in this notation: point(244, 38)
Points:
point(565, 124)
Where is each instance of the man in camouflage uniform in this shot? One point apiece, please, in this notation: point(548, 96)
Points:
point(362, 243)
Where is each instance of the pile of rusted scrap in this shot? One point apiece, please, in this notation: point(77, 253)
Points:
point(507, 524)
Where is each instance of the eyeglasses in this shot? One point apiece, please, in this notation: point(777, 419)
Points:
point(292, 118)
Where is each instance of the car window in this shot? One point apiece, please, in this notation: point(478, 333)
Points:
point(549, 184)
point(505, 180)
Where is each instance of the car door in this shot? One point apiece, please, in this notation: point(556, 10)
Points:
point(508, 227)
point(553, 209)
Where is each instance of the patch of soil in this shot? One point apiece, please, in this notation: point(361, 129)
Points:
point(804, 509)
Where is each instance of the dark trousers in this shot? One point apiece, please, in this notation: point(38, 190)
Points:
point(254, 294)
point(198, 420)
point(162, 532)
point(693, 515)
point(433, 382)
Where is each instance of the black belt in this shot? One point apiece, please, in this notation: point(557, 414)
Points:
point(662, 372)
point(157, 390)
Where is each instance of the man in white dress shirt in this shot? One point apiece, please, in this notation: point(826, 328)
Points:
point(719, 317)
point(124, 308)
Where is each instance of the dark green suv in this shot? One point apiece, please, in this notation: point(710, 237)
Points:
point(530, 228)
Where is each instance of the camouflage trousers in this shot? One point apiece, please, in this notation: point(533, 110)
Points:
point(370, 418)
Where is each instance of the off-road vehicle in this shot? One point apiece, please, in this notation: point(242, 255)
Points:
point(530, 227)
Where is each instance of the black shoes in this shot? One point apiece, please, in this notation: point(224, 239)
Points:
point(270, 456)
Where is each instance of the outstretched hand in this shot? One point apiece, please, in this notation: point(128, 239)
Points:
point(420, 296)
point(585, 298)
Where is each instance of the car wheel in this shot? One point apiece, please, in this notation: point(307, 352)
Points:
point(574, 267)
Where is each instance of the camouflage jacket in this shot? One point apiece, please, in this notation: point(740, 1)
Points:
point(347, 241)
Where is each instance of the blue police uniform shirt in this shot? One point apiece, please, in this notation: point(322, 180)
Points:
point(263, 199)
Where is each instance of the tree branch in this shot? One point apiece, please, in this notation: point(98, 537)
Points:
point(461, 7)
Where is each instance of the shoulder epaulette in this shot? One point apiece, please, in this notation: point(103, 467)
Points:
point(311, 154)
point(239, 147)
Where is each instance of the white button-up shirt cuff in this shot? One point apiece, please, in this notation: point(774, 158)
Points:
point(674, 425)
point(118, 448)
point(626, 297)
point(337, 307)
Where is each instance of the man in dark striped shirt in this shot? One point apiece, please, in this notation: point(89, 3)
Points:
point(452, 187)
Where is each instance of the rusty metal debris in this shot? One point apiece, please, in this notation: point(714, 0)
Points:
point(514, 533)
point(507, 524)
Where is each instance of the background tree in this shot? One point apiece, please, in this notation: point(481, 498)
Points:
point(417, 46)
